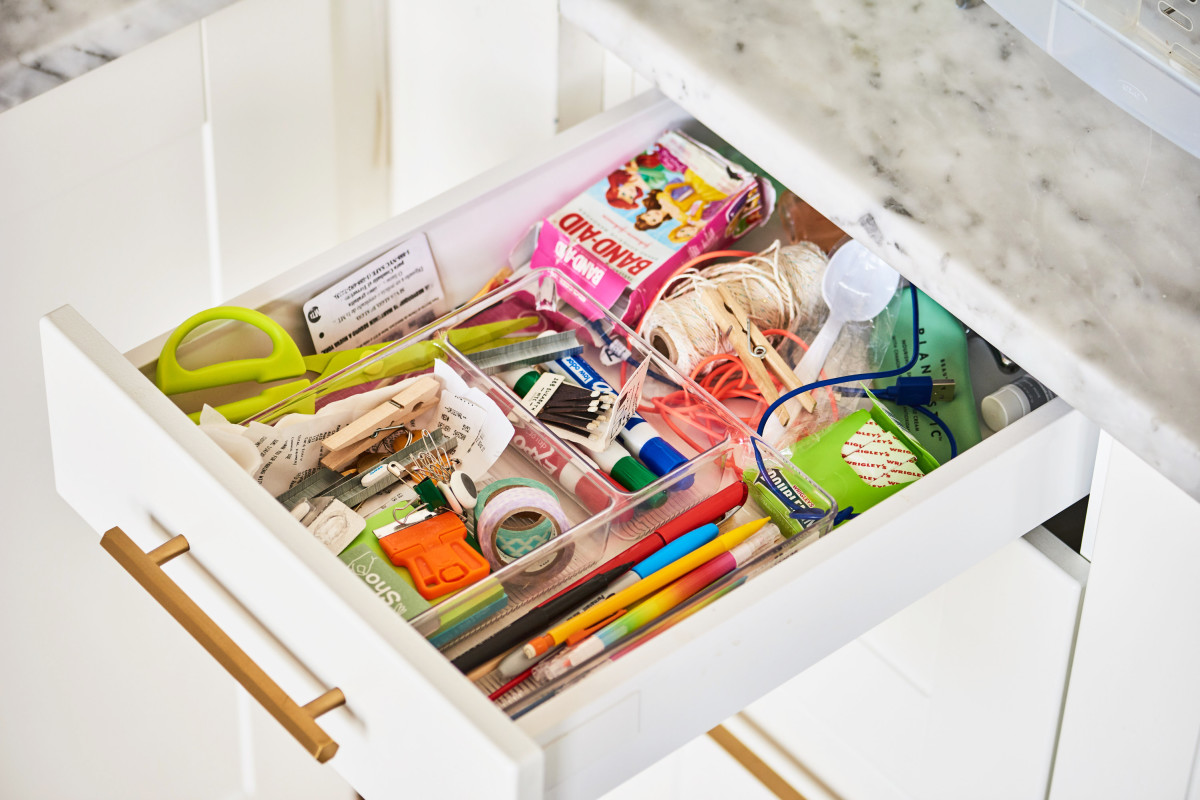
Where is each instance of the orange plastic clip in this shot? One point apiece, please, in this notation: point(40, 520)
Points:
point(436, 554)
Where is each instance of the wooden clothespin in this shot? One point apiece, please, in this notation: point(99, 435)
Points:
point(739, 339)
point(746, 338)
point(775, 362)
point(414, 399)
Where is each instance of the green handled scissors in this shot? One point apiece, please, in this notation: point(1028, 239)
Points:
point(285, 361)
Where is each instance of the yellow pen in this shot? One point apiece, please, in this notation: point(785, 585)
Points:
point(646, 586)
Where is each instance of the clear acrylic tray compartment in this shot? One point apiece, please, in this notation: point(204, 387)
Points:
point(717, 444)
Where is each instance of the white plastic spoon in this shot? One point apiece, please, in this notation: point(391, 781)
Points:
point(856, 287)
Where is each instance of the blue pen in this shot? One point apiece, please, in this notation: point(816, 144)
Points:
point(639, 435)
point(667, 554)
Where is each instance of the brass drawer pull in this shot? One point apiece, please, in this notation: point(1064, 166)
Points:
point(146, 569)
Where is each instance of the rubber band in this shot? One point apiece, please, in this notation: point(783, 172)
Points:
point(729, 380)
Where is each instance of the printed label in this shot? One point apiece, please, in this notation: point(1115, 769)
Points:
point(627, 402)
point(796, 499)
point(614, 352)
point(381, 577)
point(541, 392)
point(386, 299)
point(470, 416)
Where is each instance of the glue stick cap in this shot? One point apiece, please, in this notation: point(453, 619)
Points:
point(521, 380)
point(632, 475)
point(661, 458)
point(654, 452)
point(526, 382)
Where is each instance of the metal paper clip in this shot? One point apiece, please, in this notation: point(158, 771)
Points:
point(431, 462)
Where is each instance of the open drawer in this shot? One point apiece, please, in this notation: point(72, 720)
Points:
point(412, 725)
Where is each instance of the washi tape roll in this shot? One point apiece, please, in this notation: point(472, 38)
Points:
point(515, 539)
point(505, 506)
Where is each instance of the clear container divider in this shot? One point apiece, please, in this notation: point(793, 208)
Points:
point(718, 446)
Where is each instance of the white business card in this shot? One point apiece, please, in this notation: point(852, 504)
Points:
point(384, 300)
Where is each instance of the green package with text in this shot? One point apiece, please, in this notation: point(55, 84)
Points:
point(943, 355)
point(820, 458)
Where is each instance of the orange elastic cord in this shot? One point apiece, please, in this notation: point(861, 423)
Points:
point(666, 285)
point(666, 412)
point(677, 405)
point(729, 380)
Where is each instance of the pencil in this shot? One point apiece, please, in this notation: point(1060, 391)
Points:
point(625, 599)
point(537, 619)
point(658, 604)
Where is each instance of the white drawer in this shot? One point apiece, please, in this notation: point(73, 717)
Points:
point(967, 682)
point(412, 724)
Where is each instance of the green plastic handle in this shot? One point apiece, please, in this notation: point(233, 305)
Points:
point(284, 361)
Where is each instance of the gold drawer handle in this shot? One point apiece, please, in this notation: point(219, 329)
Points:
point(146, 569)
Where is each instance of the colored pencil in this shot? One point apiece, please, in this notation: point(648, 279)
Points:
point(559, 633)
point(658, 604)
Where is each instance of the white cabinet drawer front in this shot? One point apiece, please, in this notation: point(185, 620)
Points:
point(410, 718)
point(163, 477)
point(721, 659)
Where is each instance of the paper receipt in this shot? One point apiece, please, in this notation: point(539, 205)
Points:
point(384, 300)
point(290, 450)
point(469, 415)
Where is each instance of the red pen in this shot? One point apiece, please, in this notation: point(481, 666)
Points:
point(708, 510)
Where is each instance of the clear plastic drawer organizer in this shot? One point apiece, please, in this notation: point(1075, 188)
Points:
point(719, 448)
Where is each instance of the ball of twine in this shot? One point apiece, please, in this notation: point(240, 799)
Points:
point(779, 288)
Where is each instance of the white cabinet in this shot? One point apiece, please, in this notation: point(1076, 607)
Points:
point(959, 695)
point(700, 770)
point(87, 196)
point(409, 713)
point(295, 97)
point(467, 98)
point(1132, 718)
point(109, 201)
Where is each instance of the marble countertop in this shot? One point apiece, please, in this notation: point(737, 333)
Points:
point(1047, 219)
point(44, 44)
